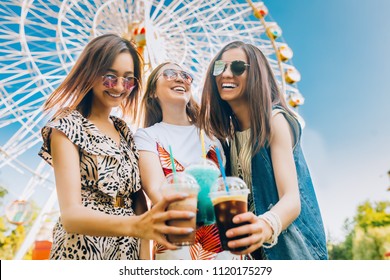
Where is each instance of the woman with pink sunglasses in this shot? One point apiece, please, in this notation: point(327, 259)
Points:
point(95, 160)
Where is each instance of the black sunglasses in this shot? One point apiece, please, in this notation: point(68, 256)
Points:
point(237, 67)
point(172, 74)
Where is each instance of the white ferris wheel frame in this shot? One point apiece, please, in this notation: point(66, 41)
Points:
point(40, 41)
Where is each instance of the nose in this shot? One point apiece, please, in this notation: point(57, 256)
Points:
point(119, 85)
point(179, 78)
point(227, 72)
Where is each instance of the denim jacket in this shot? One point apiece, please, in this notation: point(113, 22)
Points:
point(305, 238)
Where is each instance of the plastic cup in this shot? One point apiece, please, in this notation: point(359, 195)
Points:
point(206, 173)
point(182, 183)
point(228, 204)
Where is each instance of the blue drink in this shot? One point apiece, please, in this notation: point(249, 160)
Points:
point(206, 173)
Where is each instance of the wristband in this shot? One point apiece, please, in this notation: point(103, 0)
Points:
point(273, 220)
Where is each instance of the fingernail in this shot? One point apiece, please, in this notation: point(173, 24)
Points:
point(190, 230)
point(191, 215)
point(229, 233)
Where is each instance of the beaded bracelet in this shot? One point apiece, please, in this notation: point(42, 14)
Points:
point(273, 220)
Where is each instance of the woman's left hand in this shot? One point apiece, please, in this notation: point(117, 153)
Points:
point(257, 231)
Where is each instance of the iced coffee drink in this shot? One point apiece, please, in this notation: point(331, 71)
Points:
point(182, 183)
point(229, 199)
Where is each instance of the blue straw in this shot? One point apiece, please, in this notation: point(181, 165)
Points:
point(218, 152)
point(172, 163)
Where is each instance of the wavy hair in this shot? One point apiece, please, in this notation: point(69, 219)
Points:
point(150, 108)
point(98, 56)
point(262, 93)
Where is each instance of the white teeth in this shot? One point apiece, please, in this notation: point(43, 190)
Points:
point(182, 89)
point(229, 85)
point(114, 95)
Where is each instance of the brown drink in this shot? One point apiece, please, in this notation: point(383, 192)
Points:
point(182, 183)
point(188, 204)
point(228, 202)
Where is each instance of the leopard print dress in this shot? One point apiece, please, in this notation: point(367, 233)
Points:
point(107, 171)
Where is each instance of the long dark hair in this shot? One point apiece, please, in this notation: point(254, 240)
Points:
point(98, 56)
point(262, 93)
point(151, 109)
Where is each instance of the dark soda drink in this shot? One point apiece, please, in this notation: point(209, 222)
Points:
point(225, 208)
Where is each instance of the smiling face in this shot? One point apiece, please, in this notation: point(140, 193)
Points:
point(106, 97)
point(172, 91)
point(231, 88)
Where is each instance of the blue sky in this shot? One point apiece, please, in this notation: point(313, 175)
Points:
point(342, 50)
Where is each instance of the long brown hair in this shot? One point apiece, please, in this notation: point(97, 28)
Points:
point(151, 109)
point(261, 91)
point(98, 56)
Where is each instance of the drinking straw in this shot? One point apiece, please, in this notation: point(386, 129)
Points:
point(218, 152)
point(173, 163)
point(203, 144)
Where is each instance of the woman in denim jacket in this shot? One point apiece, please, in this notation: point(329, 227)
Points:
point(262, 137)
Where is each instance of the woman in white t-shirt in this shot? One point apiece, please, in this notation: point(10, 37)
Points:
point(170, 119)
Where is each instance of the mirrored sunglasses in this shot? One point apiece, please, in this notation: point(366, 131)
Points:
point(172, 74)
point(129, 82)
point(237, 67)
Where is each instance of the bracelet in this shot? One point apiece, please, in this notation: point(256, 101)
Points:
point(273, 220)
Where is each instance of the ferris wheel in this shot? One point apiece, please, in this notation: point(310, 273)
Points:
point(40, 41)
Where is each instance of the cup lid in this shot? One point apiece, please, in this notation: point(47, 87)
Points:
point(204, 162)
point(232, 184)
point(180, 178)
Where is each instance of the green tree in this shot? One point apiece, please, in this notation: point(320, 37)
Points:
point(372, 232)
point(371, 243)
point(373, 215)
point(342, 250)
point(3, 192)
point(368, 235)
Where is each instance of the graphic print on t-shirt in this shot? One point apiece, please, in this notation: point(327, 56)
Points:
point(166, 163)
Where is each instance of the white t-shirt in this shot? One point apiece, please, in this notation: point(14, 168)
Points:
point(184, 141)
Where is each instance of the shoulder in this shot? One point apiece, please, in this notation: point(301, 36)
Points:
point(151, 131)
point(281, 131)
point(67, 121)
point(279, 123)
point(66, 124)
point(140, 133)
point(145, 139)
point(68, 113)
point(283, 119)
point(145, 135)
point(145, 132)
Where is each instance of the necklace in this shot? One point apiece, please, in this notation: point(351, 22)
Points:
point(238, 158)
point(241, 152)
